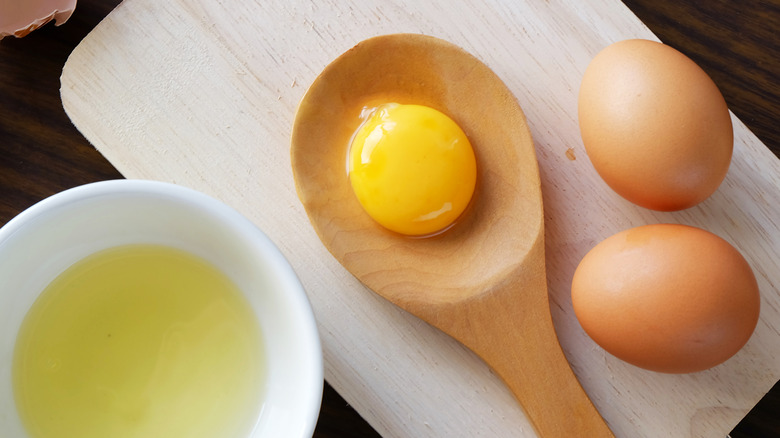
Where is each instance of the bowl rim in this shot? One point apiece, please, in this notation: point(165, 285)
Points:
point(295, 294)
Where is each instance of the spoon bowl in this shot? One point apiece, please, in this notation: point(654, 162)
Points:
point(483, 280)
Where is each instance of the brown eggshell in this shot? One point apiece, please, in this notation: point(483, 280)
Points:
point(669, 298)
point(654, 125)
point(20, 17)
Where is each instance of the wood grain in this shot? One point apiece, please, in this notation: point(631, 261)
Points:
point(42, 153)
point(197, 122)
point(483, 281)
point(736, 43)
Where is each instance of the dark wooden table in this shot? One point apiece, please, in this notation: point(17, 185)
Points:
point(41, 153)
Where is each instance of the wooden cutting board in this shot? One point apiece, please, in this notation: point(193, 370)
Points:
point(203, 93)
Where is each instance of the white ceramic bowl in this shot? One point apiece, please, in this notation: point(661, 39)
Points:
point(48, 237)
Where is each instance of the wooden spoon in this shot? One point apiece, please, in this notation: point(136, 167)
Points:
point(483, 281)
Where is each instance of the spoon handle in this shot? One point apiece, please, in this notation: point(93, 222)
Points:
point(510, 327)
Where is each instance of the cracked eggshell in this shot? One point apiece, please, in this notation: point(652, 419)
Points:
point(20, 17)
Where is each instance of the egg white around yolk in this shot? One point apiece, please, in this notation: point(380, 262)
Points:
point(412, 169)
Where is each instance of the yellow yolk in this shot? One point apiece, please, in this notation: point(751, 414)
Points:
point(412, 169)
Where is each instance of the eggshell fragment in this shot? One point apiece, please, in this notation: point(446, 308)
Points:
point(665, 297)
point(654, 125)
point(20, 17)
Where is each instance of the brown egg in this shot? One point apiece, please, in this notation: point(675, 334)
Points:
point(668, 298)
point(20, 17)
point(654, 125)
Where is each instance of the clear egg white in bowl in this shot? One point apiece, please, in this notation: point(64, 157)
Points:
point(45, 240)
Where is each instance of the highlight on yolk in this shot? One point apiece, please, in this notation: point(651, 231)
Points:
point(412, 169)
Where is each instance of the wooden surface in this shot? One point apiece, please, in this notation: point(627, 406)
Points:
point(42, 153)
point(203, 94)
point(447, 279)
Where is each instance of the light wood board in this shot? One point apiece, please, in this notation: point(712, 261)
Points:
point(203, 93)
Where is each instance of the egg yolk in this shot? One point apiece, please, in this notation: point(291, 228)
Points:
point(412, 169)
